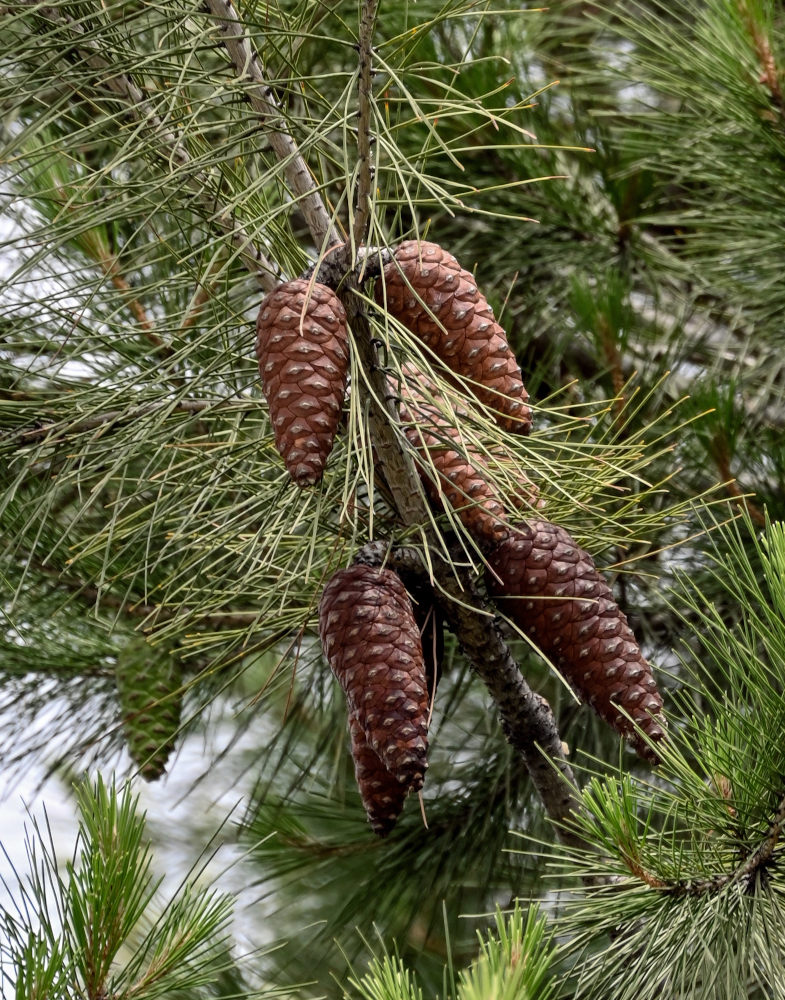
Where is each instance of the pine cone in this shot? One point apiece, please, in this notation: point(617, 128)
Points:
point(372, 643)
point(427, 290)
point(148, 688)
point(382, 795)
point(552, 590)
point(303, 351)
point(462, 481)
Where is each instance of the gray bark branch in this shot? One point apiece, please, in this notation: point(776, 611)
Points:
point(362, 210)
point(261, 97)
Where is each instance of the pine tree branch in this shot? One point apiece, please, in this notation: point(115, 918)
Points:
point(248, 66)
point(111, 268)
point(744, 874)
point(765, 850)
point(721, 454)
point(769, 76)
point(395, 461)
point(527, 719)
point(164, 351)
point(362, 208)
point(166, 144)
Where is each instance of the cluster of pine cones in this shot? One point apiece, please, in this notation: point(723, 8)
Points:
point(539, 577)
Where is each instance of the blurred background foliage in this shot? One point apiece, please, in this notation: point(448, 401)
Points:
point(615, 176)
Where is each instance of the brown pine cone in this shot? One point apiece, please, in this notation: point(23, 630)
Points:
point(372, 643)
point(303, 351)
point(462, 482)
point(552, 590)
point(382, 794)
point(427, 290)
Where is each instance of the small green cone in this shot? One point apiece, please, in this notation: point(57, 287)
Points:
point(149, 680)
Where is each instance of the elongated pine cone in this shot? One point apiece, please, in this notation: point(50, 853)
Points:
point(552, 590)
point(303, 351)
point(427, 290)
point(148, 688)
point(371, 640)
point(462, 481)
point(382, 795)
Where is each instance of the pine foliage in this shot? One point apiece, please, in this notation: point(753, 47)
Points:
point(512, 964)
point(694, 902)
point(97, 925)
point(625, 226)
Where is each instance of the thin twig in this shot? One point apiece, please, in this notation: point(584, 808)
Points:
point(110, 265)
point(111, 268)
point(56, 430)
point(769, 76)
point(614, 359)
point(167, 144)
point(743, 874)
point(362, 209)
point(721, 453)
point(100, 597)
point(196, 308)
point(262, 99)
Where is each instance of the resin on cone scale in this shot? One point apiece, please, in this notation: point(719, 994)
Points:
point(544, 582)
point(427, 290)
point(303, 351)
point(462, 480)
point(372, 642)
point(382, 795)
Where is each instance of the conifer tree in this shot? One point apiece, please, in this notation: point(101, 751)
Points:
point(604, 187)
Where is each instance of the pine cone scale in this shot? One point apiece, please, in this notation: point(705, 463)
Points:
point(382, 795)
point(460, 482)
